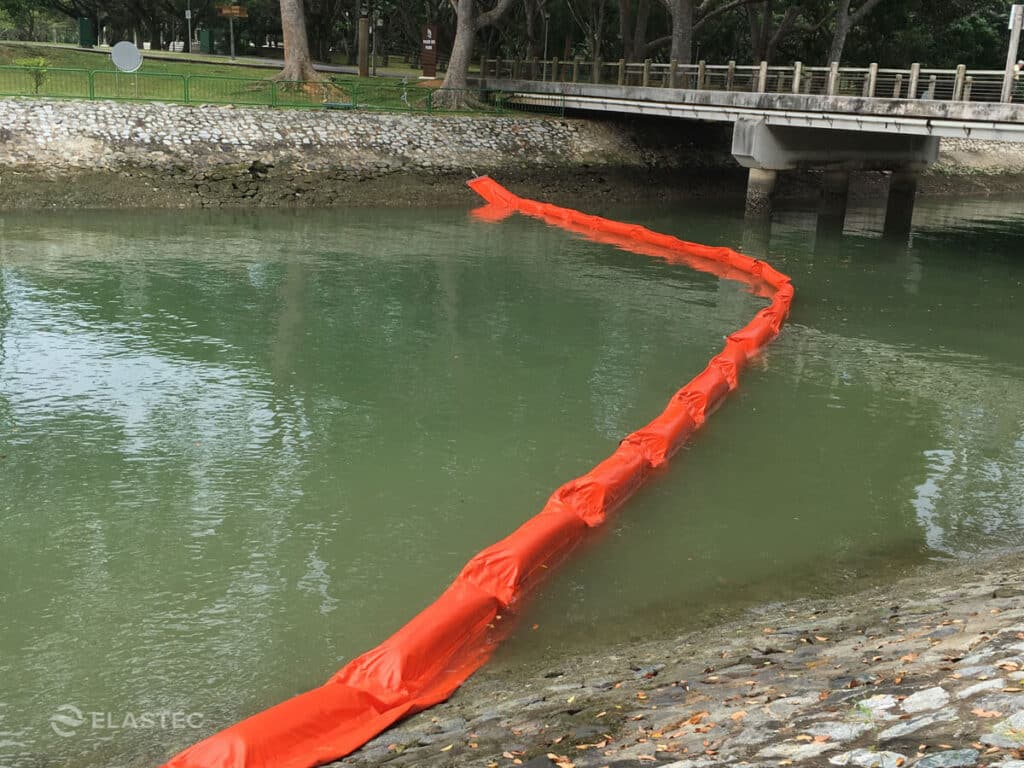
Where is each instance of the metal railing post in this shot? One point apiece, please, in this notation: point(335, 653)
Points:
point(273, 93)
point(915, 78)
point(932, 82)
point(92, 86)
point(968, 82)
point(798, 69)
point(702, 74)
point(730, 75)
point(897, 88)
point(872, 80)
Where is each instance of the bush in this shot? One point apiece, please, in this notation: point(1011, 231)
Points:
point(37, 66)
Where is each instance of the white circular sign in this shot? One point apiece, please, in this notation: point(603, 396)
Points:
point(126, 56)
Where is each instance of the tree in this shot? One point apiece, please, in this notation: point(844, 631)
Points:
point(297, 63)
point(688, 17)
point(765, 33)
point(468, 22)
point(845, 21)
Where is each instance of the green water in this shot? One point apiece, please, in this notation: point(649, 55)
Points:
point(238, 449)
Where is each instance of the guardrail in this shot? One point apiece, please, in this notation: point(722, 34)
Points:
point(339, 93)
point(915, 82)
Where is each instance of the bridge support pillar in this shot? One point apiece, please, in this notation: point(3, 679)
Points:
point(899, 210)
point(760, 191)
point(835, 192)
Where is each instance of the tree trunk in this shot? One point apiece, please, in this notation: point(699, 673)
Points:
point(456, 79)
point(626, 29)
point(843, 24)
point(681, 12)
point(297, 62)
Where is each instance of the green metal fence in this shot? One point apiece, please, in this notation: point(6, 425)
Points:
point(339, 93)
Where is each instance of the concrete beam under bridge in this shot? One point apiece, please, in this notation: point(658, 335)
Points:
point(768, 149)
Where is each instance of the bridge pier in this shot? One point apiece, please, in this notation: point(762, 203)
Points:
point(767, 149)
point(899, 208)
point(835, 194)
point(760, 191)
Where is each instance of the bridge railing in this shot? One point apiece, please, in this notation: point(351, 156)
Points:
point(915, 82)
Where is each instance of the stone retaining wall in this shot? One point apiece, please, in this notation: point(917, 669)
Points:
point(218, 155)
point(89, 154)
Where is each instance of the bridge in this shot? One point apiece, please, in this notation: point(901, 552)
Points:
point(833, 119)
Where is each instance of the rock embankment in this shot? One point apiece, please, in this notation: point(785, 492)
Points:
point(914, 676)
point(68, 153)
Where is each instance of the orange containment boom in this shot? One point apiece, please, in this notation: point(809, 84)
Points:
point(426, 660)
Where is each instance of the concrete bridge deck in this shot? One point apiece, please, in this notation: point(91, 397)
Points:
point(831, 119)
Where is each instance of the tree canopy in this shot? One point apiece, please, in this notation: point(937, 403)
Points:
point(856, 32)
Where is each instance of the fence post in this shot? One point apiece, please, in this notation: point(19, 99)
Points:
point(702, 74)
point(533, 68)
point(762, 77)
point(515, 68)
point(92, 86)
point(556, 76)
point(730, 75)
point(897, 89)
point(673, 73)
point(872, 79)
point(273, 93)
point(915, 77)
point(968, 82)
point(833, 79)
point(622, 71)
point(576, 69)
point(958, 85)
point(483, 68)
point(430, 100)
point(647, 73)
point(932, 82)
point(595, 73)
point(798, 73)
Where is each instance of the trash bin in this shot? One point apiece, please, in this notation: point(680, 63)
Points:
point(86, 35)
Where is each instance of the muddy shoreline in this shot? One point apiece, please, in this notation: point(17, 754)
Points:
point(926, 671)
point(35, 189)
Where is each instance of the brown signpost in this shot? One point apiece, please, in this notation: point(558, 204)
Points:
point(232, 12)
point(428, 51)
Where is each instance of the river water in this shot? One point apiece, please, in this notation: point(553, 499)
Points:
point(238, 449)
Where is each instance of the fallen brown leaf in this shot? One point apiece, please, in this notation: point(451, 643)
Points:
point(979, 712)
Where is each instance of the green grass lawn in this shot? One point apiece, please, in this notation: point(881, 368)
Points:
point(65, 74)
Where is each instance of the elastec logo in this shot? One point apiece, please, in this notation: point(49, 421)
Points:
point(69, 720)
point(66, 719)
